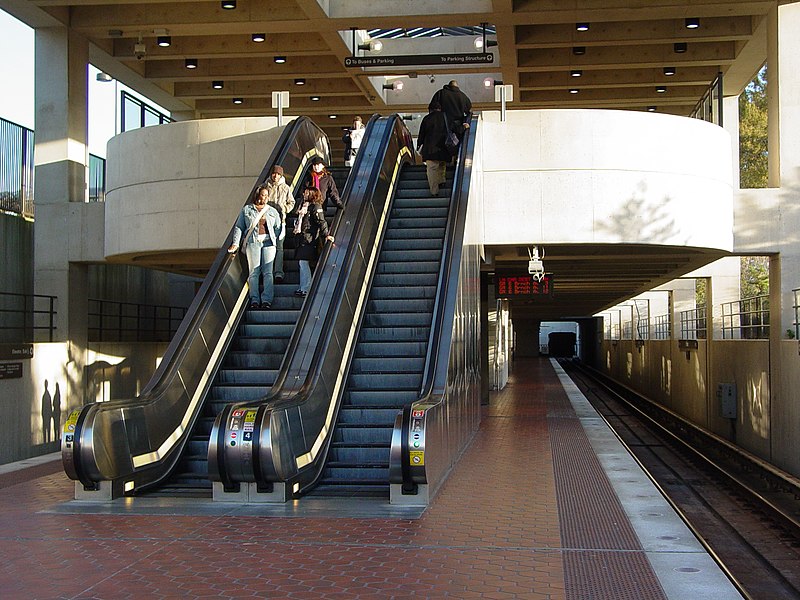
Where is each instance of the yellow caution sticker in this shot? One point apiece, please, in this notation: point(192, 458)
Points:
point(250, 416)
point(72, 420)
point(417, 458)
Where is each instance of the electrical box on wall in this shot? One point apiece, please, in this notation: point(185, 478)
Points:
point(726, 396)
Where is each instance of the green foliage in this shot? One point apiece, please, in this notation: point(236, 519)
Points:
point(753, 133)
point(754, 276)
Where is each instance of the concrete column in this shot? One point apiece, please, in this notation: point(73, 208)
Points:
point(730, 118)
point(61, 163)
point(773, 94)
point(788, 50)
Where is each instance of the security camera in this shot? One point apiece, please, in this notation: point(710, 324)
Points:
point(433, 79)
point(139, 50)
point(535, 267)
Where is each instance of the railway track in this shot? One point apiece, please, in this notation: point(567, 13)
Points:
point(744, 510)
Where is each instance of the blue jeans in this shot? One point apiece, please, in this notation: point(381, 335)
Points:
point(260, 260)
point(279, 258)
point(305, 275)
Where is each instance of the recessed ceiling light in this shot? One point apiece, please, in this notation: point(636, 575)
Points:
point(692, 23)
point(191, 63)
point(680, 47)
point(669, 71)
point(217, 85)
point(574, 91)
point(259, 37)
point(280, 59)
point(661, 89)
point(651, 109)
point(228, 4)
point(315, 98)
point(576, 73)
point(238, 100)
point(581, 27)
point(579, 50)
point(332, 116)
point(163, 40)
point(299, 81)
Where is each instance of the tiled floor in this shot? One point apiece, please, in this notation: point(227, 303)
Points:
point(527, 513)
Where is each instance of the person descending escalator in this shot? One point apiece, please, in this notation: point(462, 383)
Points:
point(258, 228)
point(279, 196)
point(311, 231)
point(321, 179)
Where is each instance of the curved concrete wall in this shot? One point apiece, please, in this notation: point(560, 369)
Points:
point(180, 186)
point(604, 176)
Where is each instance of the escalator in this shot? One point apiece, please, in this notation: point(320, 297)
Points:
point(390, 388)
point(250, 366)
point(387, 368)
point(125, 447)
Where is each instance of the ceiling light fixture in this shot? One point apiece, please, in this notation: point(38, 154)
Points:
point(315, 98)
point(217, 85)
point(395, 85)
point(680, 47)
point(228, 4)
point(259, 37)
point(332, 116)
point(651, 109)
point(574, 91)
point(579, 50)
point(661, 89)
point(299, 81)
point(692, 23)
point(669, 71)
point(238, 100)
point(164, 41)
point(280, 60)
point(191, 63)
point(581, 27)
point(371, 45)
point(104, 77)
point(576, 73)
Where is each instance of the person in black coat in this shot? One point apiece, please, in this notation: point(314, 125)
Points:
point(310, 229)
point(430, 143)
point(320, 178)
point(456, 105)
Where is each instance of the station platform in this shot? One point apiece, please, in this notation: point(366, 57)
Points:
point(545, 504)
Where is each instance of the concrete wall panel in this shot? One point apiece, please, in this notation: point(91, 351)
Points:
point(625, 177)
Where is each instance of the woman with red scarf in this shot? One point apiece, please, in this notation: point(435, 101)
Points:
point(319, 177)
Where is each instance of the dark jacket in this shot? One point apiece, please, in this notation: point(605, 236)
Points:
point(327, 187)
point(313, 228)
point(456, 105)
point(432, 132)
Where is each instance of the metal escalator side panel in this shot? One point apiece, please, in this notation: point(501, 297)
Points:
point(139, 440)
point(429, 435)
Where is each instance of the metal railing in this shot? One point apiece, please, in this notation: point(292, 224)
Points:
point(662, 327)
point(27, 317)
point(16, 168)
point(746, 319)
point(693, 324)
point(709, 108)
point(113, 321)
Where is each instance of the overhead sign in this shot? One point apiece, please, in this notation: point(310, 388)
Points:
point(479, 58)
point(16, 351)
point(518, 285)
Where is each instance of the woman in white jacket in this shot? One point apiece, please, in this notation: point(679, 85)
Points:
point(258, 228)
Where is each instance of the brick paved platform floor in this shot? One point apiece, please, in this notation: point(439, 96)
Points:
point(527, 513)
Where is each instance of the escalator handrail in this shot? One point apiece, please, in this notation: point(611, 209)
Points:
point(80, 462)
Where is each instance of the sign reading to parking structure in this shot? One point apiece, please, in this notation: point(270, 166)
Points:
point(479, 58)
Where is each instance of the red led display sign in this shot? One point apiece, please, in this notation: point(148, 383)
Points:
point(518, 285)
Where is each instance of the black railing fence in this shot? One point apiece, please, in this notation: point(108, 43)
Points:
point(16, 168)
point(27, 317)
point(112, 321)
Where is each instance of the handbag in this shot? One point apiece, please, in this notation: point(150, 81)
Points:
point(451, 140)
